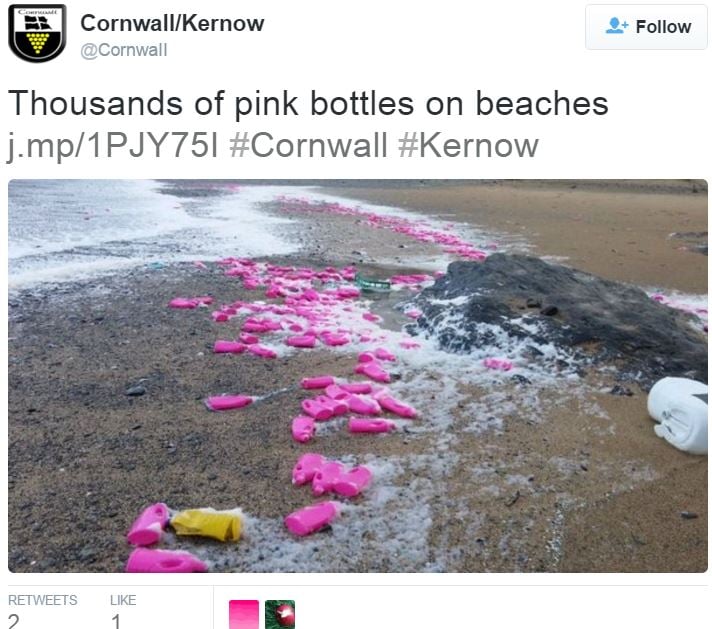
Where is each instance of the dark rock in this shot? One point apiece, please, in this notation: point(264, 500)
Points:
point(621, 390)
point(550, 311)
point(600, 321)
point(135, 391)
point(533, 303)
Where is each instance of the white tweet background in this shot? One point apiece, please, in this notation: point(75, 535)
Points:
point(658, 126)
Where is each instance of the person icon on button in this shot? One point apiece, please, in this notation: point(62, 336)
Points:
point(614, 30)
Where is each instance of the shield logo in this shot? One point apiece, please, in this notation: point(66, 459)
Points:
point(37, 31)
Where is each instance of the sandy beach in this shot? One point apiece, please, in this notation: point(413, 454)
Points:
point(496, 475)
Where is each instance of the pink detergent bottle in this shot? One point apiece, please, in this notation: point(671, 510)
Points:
point(370, 425)
point(336, 392)
point(401, 409)
point(183, 304)
point(500, 364)
point(337, 407)
point(261, 351)
point(317, 410)
point(220, 317)
point(356, 387)
point(306, 467)
point(317, 382)
point(303, 342)
point(383, 354)
point(326, 476)
point(228, 347)
point(353, 482)
point(363, 405)
point(154, 560)
point(376, 372)
point(334, 340)
point(148, 528)
point(311, 519)
point(303, 428)
point(249, 339)
point(227, 402)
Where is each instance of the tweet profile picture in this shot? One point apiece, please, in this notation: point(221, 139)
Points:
point(37, 32)
point(280, 614)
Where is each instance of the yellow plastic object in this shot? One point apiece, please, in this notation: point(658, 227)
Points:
point(221, 525)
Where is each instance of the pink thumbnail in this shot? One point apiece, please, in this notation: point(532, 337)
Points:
point(244, 615)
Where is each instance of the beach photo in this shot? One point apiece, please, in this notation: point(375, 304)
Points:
point(397, 376)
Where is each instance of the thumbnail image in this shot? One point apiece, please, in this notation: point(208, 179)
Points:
point(357, 376)
point(279, 614)
point(244, 615)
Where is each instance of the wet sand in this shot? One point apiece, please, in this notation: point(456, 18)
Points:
point(580, 485)
point(641, 232)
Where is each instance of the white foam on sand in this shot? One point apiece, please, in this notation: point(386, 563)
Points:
point(385, 530)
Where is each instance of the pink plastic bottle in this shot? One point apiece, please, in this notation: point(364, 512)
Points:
point(154, 560)
point(317, 382)
point(353, 482)
point(311, 519)
point(303, 428)
point(261, 351)
point(317, 410)
point(251, 327)
point(501, 364)
point(357, 387)
point(228, 347)
point(334, 340)
point(337, 407)
point(336, 392)
point(304, 342)
point(374, 371)
point(348, 292)
point(363, 405)
point(307, 466)
point(248, 339)
point(227, 402)
point(401, 409)
point(383, 354)
point(378, 424)
point(326, 476)
point(366, 357)
point(183, 304)
point(148, 528)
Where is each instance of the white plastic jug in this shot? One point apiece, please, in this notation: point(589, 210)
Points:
point(680, 407)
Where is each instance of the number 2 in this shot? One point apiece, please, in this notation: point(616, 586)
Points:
point(15, 619)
